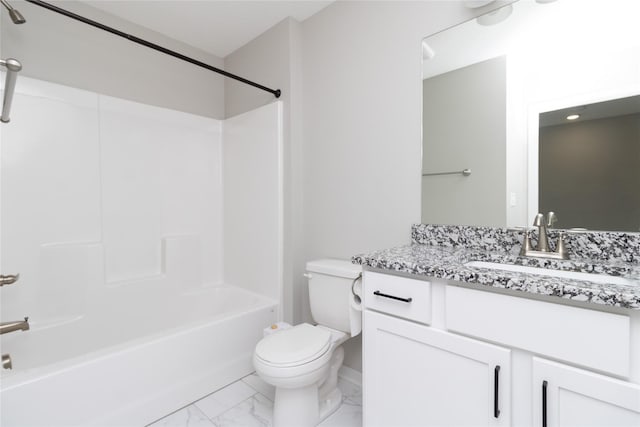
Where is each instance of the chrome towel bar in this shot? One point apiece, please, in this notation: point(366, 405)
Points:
point(13, 66)
point(465, 172)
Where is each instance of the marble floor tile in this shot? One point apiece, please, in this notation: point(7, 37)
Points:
point(225, 399)
point(260, 386)
point(185, 417)
point(245, 404)
point(349, 414)
point(257, 411)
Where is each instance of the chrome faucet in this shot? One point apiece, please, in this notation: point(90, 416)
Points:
point(542, 247)
point(21, 325)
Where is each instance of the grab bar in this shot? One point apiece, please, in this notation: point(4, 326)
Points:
point(13, 66)
point(465, 172)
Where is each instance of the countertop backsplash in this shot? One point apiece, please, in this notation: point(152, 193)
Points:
point(607, 246)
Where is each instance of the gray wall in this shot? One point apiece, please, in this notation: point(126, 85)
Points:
point(356, 161)
point(58, 49)
point(589, 173)
point(464, 126)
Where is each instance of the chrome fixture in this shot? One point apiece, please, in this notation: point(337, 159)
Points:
point(6, 362)
point(21, 325)
point(465, 172)
point(542, 247)
point(13, 66)
point(9, 279)
point(16, 16)
point(543, 242)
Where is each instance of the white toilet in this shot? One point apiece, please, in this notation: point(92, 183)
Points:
point(302, 362)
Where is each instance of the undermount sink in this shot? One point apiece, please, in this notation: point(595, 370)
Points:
point(574, 275)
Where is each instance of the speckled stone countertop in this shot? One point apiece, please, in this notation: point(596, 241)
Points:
point(442, 252)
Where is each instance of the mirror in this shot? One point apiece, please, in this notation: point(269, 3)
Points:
point(489, 92)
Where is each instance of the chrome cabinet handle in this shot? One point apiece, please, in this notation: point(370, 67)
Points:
point(380, 294)
point(9, 279)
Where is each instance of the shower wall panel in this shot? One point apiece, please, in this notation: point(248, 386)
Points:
point(252, 164)
point(161, 175)
point(99, 192)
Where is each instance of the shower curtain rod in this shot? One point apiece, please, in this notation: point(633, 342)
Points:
point(275, 92)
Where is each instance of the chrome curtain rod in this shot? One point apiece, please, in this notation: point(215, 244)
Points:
point(275, 92)
point(465, 172)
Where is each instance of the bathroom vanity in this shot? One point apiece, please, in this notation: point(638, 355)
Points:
point(448, 341)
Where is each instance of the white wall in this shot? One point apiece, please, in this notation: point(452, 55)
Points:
point(58, 49)
point(99, 192)
point(252, 177)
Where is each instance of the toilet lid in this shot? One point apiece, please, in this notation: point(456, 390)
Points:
point(294, 346)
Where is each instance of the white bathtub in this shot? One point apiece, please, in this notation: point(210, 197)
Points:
point(144, 362)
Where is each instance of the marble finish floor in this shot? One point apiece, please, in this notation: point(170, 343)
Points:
point(249, 402)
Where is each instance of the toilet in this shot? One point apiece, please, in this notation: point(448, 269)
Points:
point(302, 362)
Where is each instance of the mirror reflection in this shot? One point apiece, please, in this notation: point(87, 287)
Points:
point(584, 152)
point(491, 94)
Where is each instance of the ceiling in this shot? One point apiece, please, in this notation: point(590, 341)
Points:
point(599, 110)
point(215, 26)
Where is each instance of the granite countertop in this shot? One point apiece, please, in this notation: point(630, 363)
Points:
point(449, 263)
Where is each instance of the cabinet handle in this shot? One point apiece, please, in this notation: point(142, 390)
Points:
point(544, 403)
point(496, 391)
point(380, 294)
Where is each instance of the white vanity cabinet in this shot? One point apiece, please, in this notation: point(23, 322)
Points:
point(419, 376)
point(479, 358)
point(568, 396)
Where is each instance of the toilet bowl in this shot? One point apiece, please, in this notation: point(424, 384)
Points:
point(302, 362)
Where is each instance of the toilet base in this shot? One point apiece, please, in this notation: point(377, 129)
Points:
point(307, 410)
point(296, 407)
point(309, 406)
point(330, 404)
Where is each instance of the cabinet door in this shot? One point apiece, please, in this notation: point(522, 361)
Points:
point(566, 396)
point(414, 375)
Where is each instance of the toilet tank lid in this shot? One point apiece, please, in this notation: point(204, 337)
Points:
point(335, 267)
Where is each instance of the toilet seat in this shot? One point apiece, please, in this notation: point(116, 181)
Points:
point(296, 346)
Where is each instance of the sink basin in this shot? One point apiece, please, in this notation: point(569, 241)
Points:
point(574, 275)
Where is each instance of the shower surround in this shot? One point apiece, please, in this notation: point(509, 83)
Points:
point(128, 224)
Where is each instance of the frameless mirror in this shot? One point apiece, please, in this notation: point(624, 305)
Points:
point(492, 94)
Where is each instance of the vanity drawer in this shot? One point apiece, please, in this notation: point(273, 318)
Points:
point(398, 296)
point(590, 338)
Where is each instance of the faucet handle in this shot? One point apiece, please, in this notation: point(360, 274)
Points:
point(561, 247)
point(551, 219)
point(526, 242)
point(538, 221)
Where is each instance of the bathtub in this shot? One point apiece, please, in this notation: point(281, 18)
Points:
point(138, 366)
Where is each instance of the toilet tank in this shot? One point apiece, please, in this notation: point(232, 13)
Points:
point(330, 294)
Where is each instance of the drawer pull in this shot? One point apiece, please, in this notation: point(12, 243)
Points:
point(380, 294)
point(496, 392)
point(544, 404)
